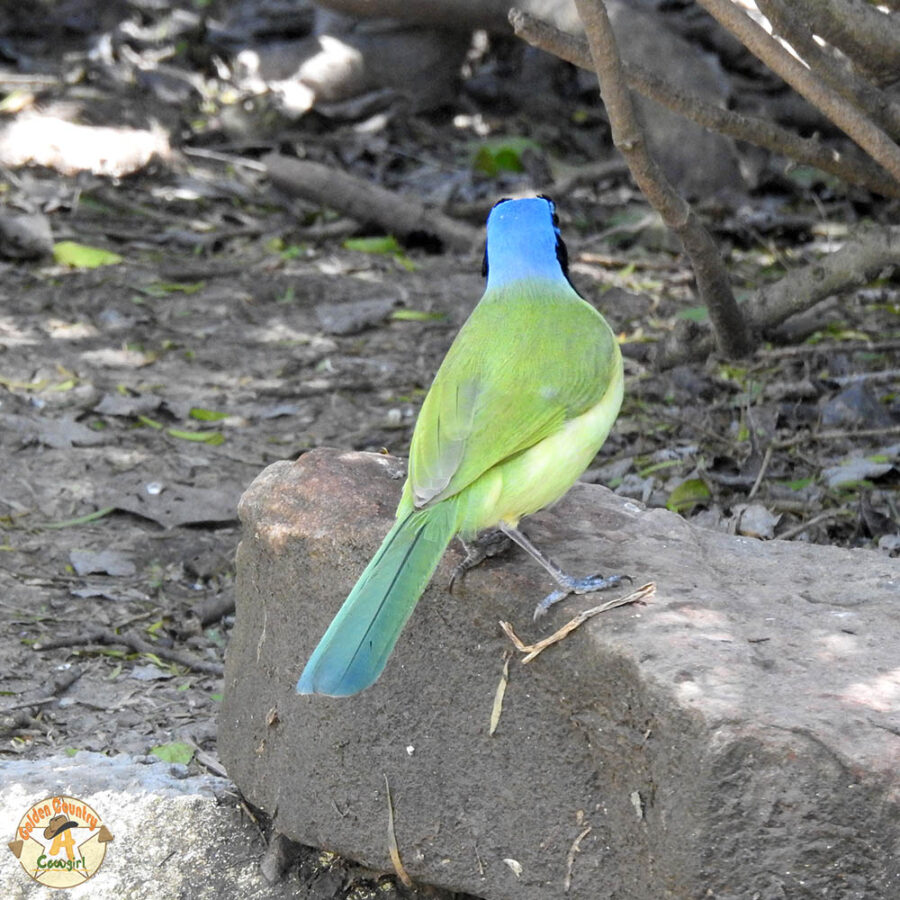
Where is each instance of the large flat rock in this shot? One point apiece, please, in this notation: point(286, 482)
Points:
point(736, 737)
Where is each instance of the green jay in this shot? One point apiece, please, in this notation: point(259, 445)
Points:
point(522, 402)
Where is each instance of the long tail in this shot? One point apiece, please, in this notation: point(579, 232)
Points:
point(355, 648)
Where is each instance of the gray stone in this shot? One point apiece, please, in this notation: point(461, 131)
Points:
point(173, 836)
point(736, 737)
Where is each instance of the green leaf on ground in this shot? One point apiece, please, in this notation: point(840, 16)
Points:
point(416, 315)
point(206, 415)
point(80, 520)
point(163, 288)
point(200, 437)
point(385, 244)
point(694, 314)
point(688, 494)
point(81, 256)
point(502, 155)
point(175, 752)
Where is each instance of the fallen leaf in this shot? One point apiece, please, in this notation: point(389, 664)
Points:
point(108, 562)
point(175, 752)
point(355, 316)
point(172, 504)
point(754, 520)
point(856, 469)
point(688, 494)
point(81, 256)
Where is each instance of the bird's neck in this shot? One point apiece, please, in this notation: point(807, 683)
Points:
point(507, 264)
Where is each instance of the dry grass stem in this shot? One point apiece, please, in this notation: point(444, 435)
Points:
point(640, 595)
point(570, 857)
point(393, 848)
point(497, 708)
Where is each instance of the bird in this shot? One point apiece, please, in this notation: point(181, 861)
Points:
point(518, 409)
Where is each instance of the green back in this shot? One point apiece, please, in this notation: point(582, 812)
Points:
point(532, 355)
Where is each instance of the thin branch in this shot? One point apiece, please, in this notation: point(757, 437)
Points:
point(861, 31)
point(138, 644)
point(366, 202)
point(853, 265)
point(853, 169)
point(877, 105)
point(713, 284)
point(849, 119)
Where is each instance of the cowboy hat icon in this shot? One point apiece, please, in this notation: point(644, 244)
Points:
point(57, 824)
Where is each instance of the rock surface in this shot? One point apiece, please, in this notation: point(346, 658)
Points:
point(736, 737)
point(172, 836)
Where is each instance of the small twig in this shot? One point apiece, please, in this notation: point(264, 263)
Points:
point(60, 687)
point(767, 458)
point(590, 173)
point(887, 375)
point(35, 80)
point(209, 761)
point(835, 435)
point(366, 202)
point(227, 158)
point(393, 848)
point(139, 645)
point(815, 520)
point(713, 284)
point(642, 594)
point(497, 708)
point(610, 261)
point(830, 347)
point(570, 857)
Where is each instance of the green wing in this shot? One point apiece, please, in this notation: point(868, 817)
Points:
point(530, 357)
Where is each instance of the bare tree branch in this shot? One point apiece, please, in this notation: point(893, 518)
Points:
point(856, 263)
point(712, 278)
point(859, 29)
point(854, 169)
point(884, 111)
point(366, 202)
point(849, 119)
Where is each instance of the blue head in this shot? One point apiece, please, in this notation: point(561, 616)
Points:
point(523, 241)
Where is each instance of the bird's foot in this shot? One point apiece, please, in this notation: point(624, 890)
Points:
point(485, 545)
point(569, 585)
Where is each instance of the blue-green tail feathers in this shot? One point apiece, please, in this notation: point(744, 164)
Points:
point(355, 648)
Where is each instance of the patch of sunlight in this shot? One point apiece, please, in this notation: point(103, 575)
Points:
point(881, 693)
point(11, 335)
point(69, 331)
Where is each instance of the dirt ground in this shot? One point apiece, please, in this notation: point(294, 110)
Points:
point(138, 400)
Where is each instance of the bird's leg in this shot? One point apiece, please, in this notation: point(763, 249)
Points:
point(485, 545)
point(567, 584)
